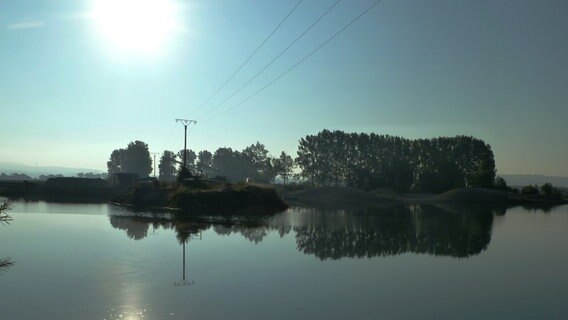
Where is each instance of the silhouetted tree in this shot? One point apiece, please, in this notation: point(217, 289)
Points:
point(191, 156)
point(225, 162)
point(308, 157)
point(371, 161)
point(529, 190)
point(500, 183)
point(138, 159)
point(134, 159)
point(252, 163)
point(549, 190)
point(257, 163)
point(204, 161)
point(116, 162)
point(167, 166)
point(284, 166)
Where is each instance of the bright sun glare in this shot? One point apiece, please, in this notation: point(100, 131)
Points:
point(136, 26)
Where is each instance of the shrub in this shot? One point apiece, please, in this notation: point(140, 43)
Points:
point(529, 190)
point(549, 190)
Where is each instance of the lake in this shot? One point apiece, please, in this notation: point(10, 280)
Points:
point(98, 261)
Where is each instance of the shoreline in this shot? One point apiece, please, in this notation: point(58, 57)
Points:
point(243, 199)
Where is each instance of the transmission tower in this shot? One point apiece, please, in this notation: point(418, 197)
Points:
point(154, 154)
point(185, 123)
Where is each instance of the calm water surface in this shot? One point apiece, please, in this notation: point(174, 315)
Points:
point(77, 261)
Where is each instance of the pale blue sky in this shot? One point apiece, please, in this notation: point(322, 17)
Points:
point(494, 69)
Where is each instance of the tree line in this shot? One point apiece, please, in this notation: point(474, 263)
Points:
point(253, 163)
point(371, 161)
point(360, 160)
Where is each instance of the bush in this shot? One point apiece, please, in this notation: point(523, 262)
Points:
point(549, 190)
point(529, 190)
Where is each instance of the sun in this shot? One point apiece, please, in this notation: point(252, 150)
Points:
point(136, 26)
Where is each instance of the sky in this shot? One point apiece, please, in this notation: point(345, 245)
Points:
point(80, 78)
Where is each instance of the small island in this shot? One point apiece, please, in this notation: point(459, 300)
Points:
point(205, 196)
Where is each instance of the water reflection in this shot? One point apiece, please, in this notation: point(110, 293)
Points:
point(186, 232)
point(392, 231)
point(137, 227)
point(449, 230)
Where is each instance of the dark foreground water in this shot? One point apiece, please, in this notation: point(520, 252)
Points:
point(101, 262)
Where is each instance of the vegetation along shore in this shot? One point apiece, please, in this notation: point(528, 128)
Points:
point(332, 169)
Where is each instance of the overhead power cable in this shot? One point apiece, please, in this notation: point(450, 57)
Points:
point(274, 59)
point(299, 62)
point(249, 57)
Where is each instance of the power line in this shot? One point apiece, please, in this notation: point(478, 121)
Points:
point(274, 59)
point(249, 57)
point(299, 62)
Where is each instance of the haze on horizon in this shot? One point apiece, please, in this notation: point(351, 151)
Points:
point(82, 78)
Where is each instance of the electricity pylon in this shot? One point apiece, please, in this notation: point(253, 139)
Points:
point(185, 123)
point(154, 154)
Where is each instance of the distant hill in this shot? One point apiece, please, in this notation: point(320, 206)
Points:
point(34, 172)
point(526, 179)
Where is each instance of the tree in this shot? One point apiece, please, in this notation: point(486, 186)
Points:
point(307, 158)
point(225, 162)
point(167, 166)
point(190, 158)
point(284, 166)
point(116, 162)
point(549, 190)
point(204, 161)
point(529, 190)
point(138, 159)
point(257, 163)
point(252, 163)
point(134, 159)
point(500, 183)
point(372, 161)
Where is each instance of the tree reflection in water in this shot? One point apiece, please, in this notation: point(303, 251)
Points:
point(137, 227)
point(394, 230)
point(446, 230)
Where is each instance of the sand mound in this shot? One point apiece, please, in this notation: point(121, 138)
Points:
point(333, 197)
point(474, 195)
